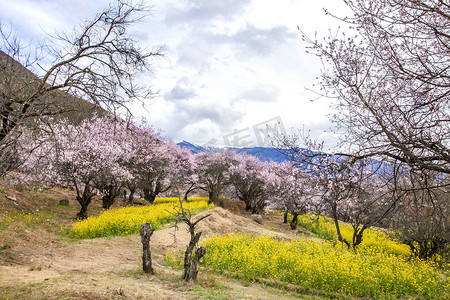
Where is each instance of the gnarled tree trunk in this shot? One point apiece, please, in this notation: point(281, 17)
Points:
point(110, 194)
point(149, 195)
point(294, 221)
point(84, 198)
point(190, 266)
point(146, 233)
point(213, 196)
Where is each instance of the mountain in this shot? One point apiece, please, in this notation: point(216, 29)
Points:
point(263, 153)
point(195, 149)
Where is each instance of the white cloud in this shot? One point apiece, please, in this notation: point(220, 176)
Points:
point(196, 12)
point(260, 93)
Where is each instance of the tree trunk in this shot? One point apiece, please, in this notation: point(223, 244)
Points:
point(357, 236)
point(146, 233)
point(190, 189)
point(294, 222)
point(255, 209)
point(248, 204)
point(336, 224)
point(84, 199)
point(193, 268)
point(82, 214)
point(149, 195)
point(213, 196)
point(110, 194)
point(189, 272)
point(131, 196)
point(285, 217)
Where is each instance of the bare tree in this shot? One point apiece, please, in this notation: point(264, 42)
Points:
point(191, 257)
point(392, 80)
point(98, 63)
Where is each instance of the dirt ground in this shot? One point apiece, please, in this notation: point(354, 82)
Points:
point(48, 266)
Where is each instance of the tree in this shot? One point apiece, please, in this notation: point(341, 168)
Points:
point(191, 257)
point(85, 157)
point(98, 63)
point(422, 220)
point(184, 178)
point(392, 81)
point(152, 160)
point(146, 233)
point(293, 191)
point(249, 178)
point(211, 170)
point(351, 189)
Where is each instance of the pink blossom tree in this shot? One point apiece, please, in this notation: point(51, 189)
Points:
point(249, 179)
point(185, 179)
point(211, 170)
point(352, 189)
point(153, 162)
point(85, 157)
point(293, 192)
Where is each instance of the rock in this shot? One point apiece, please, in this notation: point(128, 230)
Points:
point(64, 202)
point(257, 218)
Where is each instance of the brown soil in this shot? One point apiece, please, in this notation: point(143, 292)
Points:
point(38, 263)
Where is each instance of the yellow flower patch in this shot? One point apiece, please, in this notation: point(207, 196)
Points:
point(374, 241)
point(128, 220)
point(320, 265)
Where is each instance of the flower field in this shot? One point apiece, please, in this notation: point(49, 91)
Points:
point(322, 266)
point(128, 220)
point(380, 269)
point(374, 241)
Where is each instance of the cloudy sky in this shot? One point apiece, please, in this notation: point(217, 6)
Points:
point(231, 66)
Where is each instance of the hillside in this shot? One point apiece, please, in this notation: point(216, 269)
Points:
point(40, 260)
point(17, 83)
point(36, 261)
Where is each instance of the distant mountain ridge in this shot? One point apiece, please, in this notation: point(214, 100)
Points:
point(272, 154)
point(262, 153)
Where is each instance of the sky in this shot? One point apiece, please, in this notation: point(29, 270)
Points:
point(234, 71)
